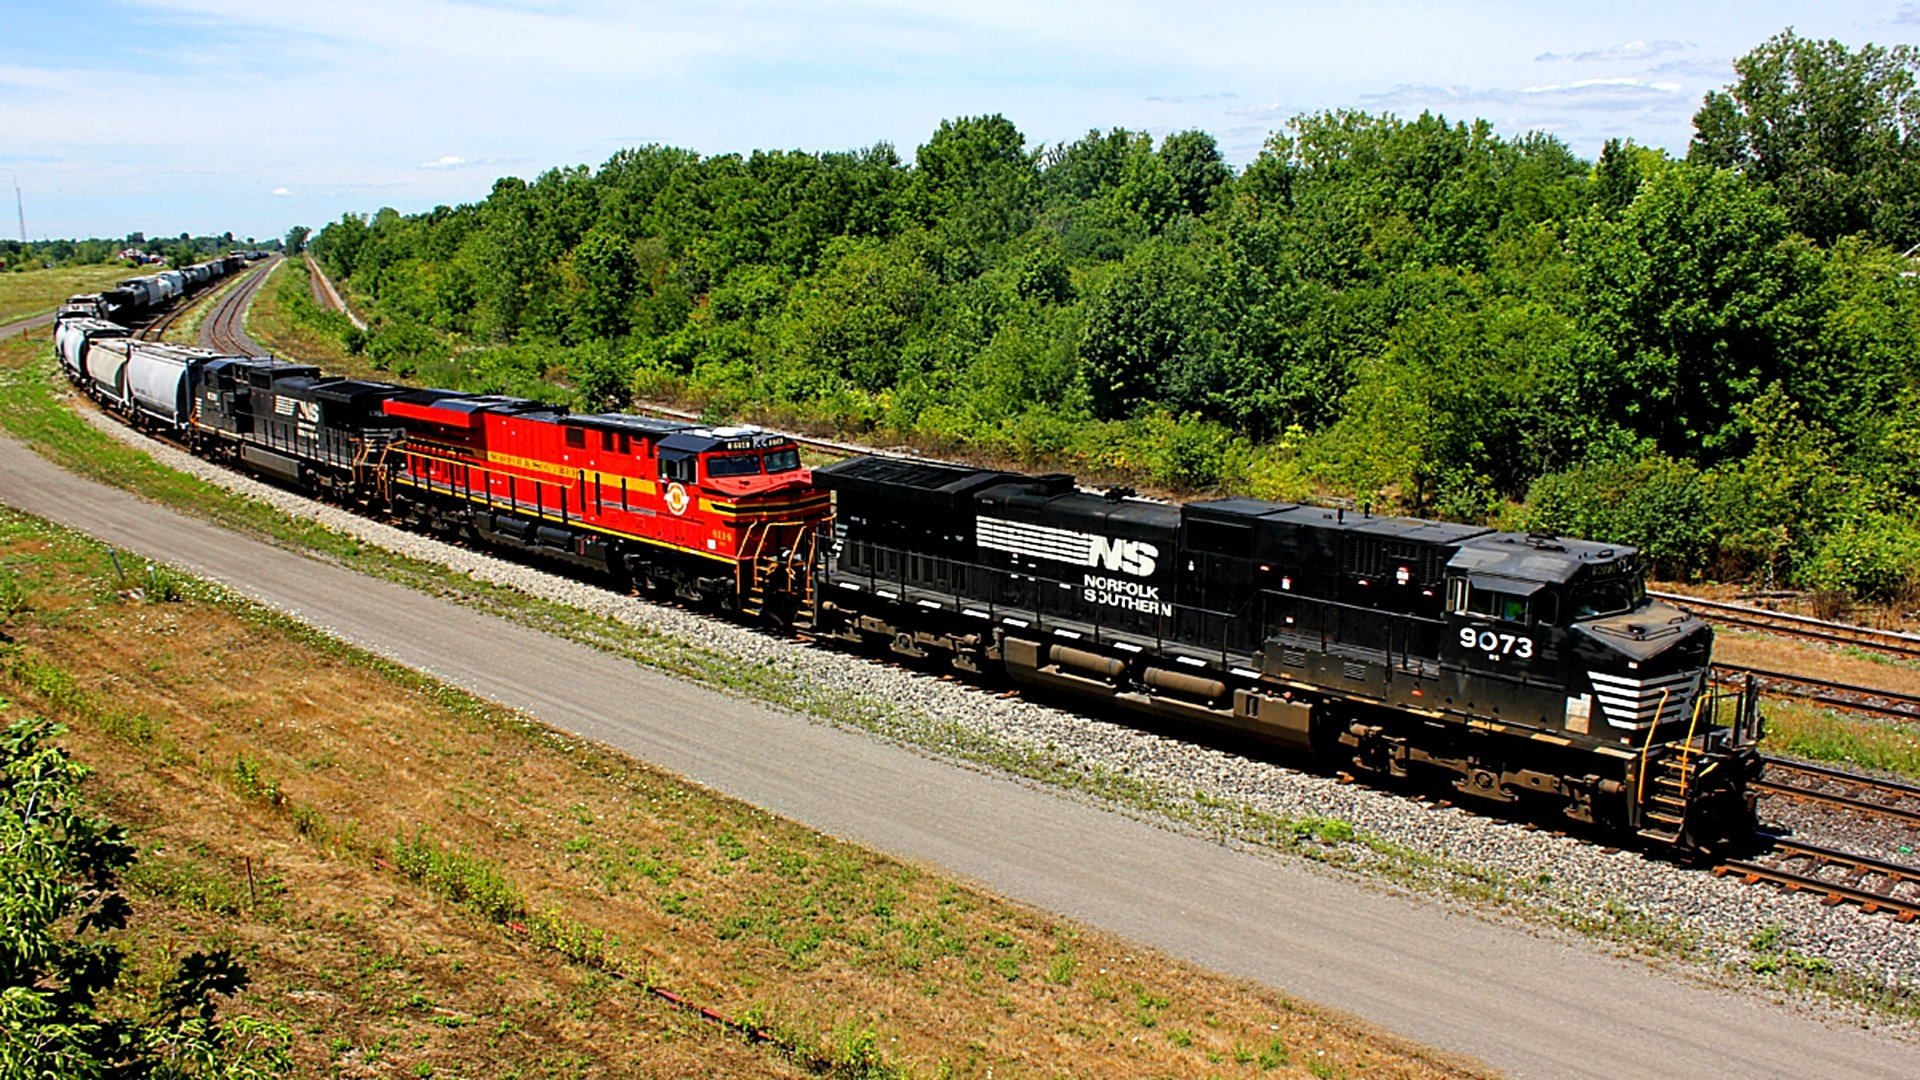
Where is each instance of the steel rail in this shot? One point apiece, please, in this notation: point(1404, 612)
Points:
point(1893, 642)
point(1876, 700)
point(1873, 787)
point(1831, 892)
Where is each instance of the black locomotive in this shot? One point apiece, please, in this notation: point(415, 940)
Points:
point(1524, 665)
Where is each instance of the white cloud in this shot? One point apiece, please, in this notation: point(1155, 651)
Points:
point(1579, 86)
point(1627, 50)
point(282, 193)
point(444, 161)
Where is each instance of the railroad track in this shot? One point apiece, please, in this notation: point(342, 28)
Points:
point(1874, 700)
point(1890, 642)
point(1870, 796)
point(1836, 877)
point(224, 329)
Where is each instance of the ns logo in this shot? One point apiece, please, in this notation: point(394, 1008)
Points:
point(1136, 557)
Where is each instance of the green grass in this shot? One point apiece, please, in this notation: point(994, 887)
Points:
point(1815, 734)
point(35, 292)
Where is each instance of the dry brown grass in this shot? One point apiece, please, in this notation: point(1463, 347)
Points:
point(232, 743)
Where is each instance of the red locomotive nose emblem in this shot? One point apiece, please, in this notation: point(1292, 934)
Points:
point(676, 498)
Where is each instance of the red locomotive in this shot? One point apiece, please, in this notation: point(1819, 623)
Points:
point(726, 514)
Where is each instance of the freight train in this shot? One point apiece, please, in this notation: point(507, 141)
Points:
point(135, 298)
point(1524, 667)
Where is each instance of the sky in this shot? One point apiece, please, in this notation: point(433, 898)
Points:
point(251, 116)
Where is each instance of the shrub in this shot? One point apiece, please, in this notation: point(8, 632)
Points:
point(1656, 503)
point(1869, 556)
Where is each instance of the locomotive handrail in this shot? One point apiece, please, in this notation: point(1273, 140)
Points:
point(1646, 749)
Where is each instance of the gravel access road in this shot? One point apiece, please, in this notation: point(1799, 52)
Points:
point(21, 326)
point(1531, 1003)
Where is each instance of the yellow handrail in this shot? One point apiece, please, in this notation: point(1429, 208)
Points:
point(1686, 748)
point(1640, 794)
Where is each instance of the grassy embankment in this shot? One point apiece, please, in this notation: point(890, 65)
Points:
point(35, 292)
point(283, 317)
point(423, 884)
point(29, 408)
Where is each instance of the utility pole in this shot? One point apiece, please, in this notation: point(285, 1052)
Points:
point(20, 205)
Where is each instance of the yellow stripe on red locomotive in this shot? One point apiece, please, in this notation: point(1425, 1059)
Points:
point(713, 493)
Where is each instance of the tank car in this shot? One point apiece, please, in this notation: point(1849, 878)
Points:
point(73, 337)
point(1523, 666)
point(161, 380)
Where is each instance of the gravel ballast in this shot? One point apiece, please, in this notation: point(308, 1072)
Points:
point(1712, 926)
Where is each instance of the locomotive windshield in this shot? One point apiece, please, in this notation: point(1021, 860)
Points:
point(1602, 597)
point(734, 465)
point(781, 461)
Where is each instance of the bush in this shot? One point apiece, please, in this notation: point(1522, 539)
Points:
point(1870, 556)
point(1656, 503)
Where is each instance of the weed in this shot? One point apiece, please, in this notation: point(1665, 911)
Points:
point(1060, 970)
point(253, 782)
point(461, 877)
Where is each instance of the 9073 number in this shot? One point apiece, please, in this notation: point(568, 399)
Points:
point(1496, 645)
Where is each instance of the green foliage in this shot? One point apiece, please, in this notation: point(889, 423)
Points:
point(1416, 314)
point(60, 899)
point(461, 877)
point(1835, 132)
point(1653, 502)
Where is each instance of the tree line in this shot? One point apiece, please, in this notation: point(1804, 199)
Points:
point(1710, 355)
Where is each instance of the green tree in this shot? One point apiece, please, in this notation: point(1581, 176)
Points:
point(297, 239)
point(1193, 160)
point(1691, 289)
point(606, 274)
point(1836, 132)
point(975, 177)
point(60, 900)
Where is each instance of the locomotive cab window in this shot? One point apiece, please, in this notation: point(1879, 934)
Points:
point(576, 438)
point(1608, 596)
point(733, 465)
point(780, 461)
point(678, 467)
point(1476, 598)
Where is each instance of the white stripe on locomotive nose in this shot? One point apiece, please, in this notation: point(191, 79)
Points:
point(1633, 703)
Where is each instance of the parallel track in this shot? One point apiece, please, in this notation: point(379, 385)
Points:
point(1890, 642)
point(1874, 700)
point(1870, 796)
point(1796, 867)
point(224, 328)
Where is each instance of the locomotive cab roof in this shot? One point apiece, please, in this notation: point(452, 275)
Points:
point(641, 427)
point(1532, 558)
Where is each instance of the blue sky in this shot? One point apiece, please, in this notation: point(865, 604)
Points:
point(203, 116)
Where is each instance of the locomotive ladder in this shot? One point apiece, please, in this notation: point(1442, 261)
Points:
point(750, 582)
point(1672, 779)
point(756, 565)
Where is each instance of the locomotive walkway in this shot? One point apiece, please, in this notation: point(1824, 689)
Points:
point(1522, 1001)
